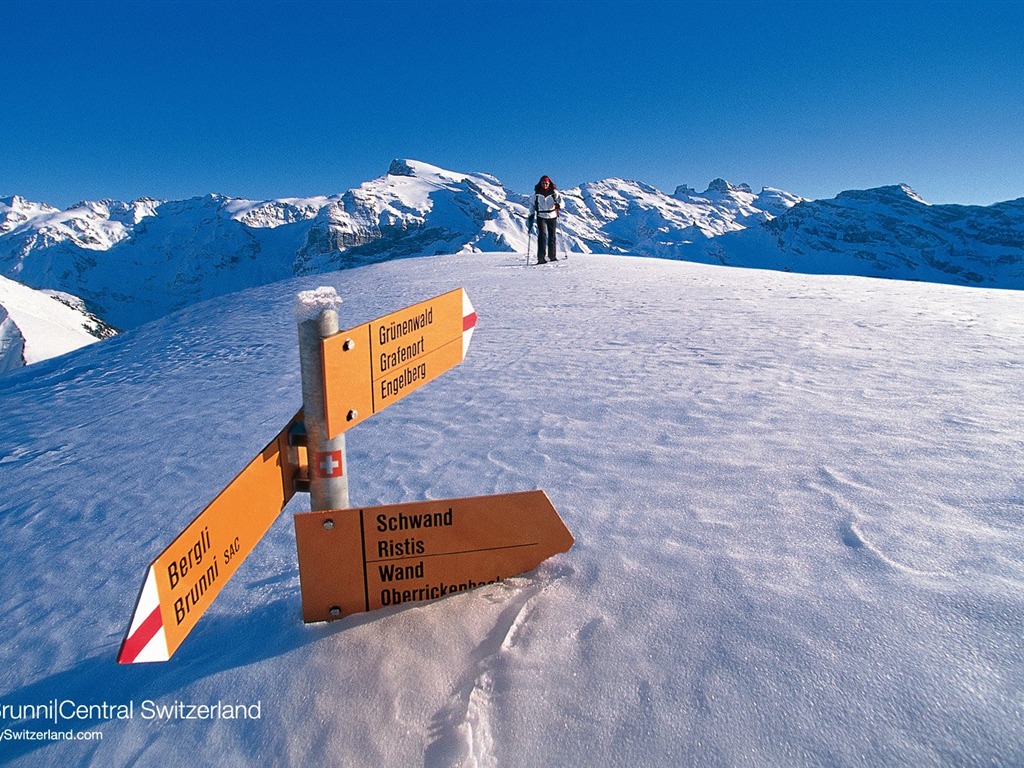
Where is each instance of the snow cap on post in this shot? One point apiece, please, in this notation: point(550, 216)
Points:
point(309, 304)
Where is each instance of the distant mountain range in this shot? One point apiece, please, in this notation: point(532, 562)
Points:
point(133, 262)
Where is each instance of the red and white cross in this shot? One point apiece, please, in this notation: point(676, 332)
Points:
point(328, 464)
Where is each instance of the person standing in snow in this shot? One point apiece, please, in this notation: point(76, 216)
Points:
point(547, 202)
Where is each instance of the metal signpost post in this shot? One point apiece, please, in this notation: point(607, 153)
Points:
point(317, 315)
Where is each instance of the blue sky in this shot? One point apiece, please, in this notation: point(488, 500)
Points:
point(280, 99)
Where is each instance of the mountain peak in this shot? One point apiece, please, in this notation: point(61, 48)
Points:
point(418, 169)
point(19, 203)
point(906, 190)
point(401, 168)
point(893, 193)
point(432, 174)
point(724, 187)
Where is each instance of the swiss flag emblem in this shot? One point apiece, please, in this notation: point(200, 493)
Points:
point(328, 464)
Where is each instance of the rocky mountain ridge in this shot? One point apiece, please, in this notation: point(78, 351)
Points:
point(133, 262)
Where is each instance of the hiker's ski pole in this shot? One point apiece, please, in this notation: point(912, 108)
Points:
point(529, 237)
point(565, 251)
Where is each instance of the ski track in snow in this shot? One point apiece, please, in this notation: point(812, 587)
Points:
point(838, 491)
point(461, 732)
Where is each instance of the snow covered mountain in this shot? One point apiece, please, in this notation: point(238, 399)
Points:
point(797, 503)
point(885, 232)
point(133, 262)
point(38, 325)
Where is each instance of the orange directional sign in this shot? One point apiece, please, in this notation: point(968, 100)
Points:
point(371, 366)
point(183, 581)
point(354, 560)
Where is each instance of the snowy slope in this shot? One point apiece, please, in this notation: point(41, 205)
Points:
point(36, 326)
point(797, 503)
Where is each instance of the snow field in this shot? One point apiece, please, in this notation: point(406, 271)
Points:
point(796, 500)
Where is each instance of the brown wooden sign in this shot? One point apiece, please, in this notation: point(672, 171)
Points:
point(355, 560)
point(372, 366)
point(185, 578)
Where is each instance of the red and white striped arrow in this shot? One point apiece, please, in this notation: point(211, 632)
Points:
point(146, 640)
point(468, 322)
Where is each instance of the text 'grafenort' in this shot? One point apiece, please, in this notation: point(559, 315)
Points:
point(402, 354)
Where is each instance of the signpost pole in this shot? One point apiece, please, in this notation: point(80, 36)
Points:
point(316, 313)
